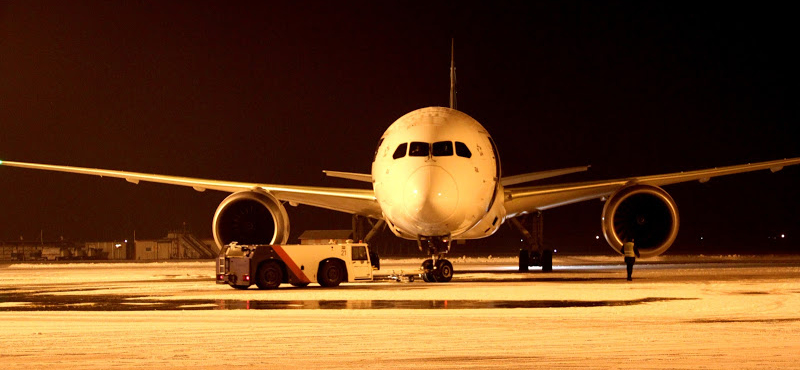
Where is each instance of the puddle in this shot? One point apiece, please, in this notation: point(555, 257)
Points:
point(37, 302)
point(424, 305)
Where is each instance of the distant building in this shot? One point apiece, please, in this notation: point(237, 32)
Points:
point(177, 245)
point(39, 250)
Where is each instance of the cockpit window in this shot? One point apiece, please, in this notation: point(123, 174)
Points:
point(442, 149)
point(462, 150)
point(400, 152)
point(418, 149)
point(377, 150)
point(437, 149)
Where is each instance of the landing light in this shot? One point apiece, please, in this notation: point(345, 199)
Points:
point(783, 236)
point(597, 237)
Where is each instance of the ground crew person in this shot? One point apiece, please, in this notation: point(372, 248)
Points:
point(631, 252)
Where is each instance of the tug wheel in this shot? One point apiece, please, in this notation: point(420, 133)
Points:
point(331, 273)
point(269, 275)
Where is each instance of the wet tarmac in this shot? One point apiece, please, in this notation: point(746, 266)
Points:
point(174, 287)
point(736, 312)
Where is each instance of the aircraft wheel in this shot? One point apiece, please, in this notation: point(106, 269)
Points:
point(331, 274)
point(524, 260)
point(444, 271)
point(427, 274)
point(547, 260)
point(269, 275)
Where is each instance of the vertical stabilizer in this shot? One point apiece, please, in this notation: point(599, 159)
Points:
point(452, 75)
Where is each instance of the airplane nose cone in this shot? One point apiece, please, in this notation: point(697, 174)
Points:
point(431, 195)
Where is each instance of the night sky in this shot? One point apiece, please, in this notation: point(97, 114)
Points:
point(276, 92)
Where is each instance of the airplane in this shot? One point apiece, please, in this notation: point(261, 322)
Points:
point(436, 177)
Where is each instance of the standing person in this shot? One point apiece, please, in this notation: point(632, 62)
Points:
point(631, 252)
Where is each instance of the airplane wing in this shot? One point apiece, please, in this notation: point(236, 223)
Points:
point(534, 176)
point(354, 201)
point(538, 198)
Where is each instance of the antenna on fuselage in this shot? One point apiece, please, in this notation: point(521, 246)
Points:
point(452, 74)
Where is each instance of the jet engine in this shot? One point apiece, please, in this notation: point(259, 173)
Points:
point(644, 213)
point(250, 217)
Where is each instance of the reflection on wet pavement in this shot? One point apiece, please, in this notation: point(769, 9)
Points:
point(29, 301)
point(422, 304)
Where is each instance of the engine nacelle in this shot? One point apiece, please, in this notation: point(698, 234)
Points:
point(250, 217)
point(644, 213)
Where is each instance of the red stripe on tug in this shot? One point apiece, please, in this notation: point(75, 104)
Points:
point(301, 277)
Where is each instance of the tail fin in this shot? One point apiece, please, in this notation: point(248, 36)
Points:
point(452, 74)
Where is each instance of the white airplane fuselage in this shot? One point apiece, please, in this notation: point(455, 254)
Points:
point(435, 174)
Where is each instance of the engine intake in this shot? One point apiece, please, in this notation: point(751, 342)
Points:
point(644, 213)
point(250, 217)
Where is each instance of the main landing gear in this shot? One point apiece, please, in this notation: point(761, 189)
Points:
point(534, 253)
point(436, 269)
point(536, 258)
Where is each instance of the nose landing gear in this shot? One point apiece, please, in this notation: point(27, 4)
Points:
point(439, 271)
point(436, 269)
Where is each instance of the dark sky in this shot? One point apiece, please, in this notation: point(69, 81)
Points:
point(276, 92)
